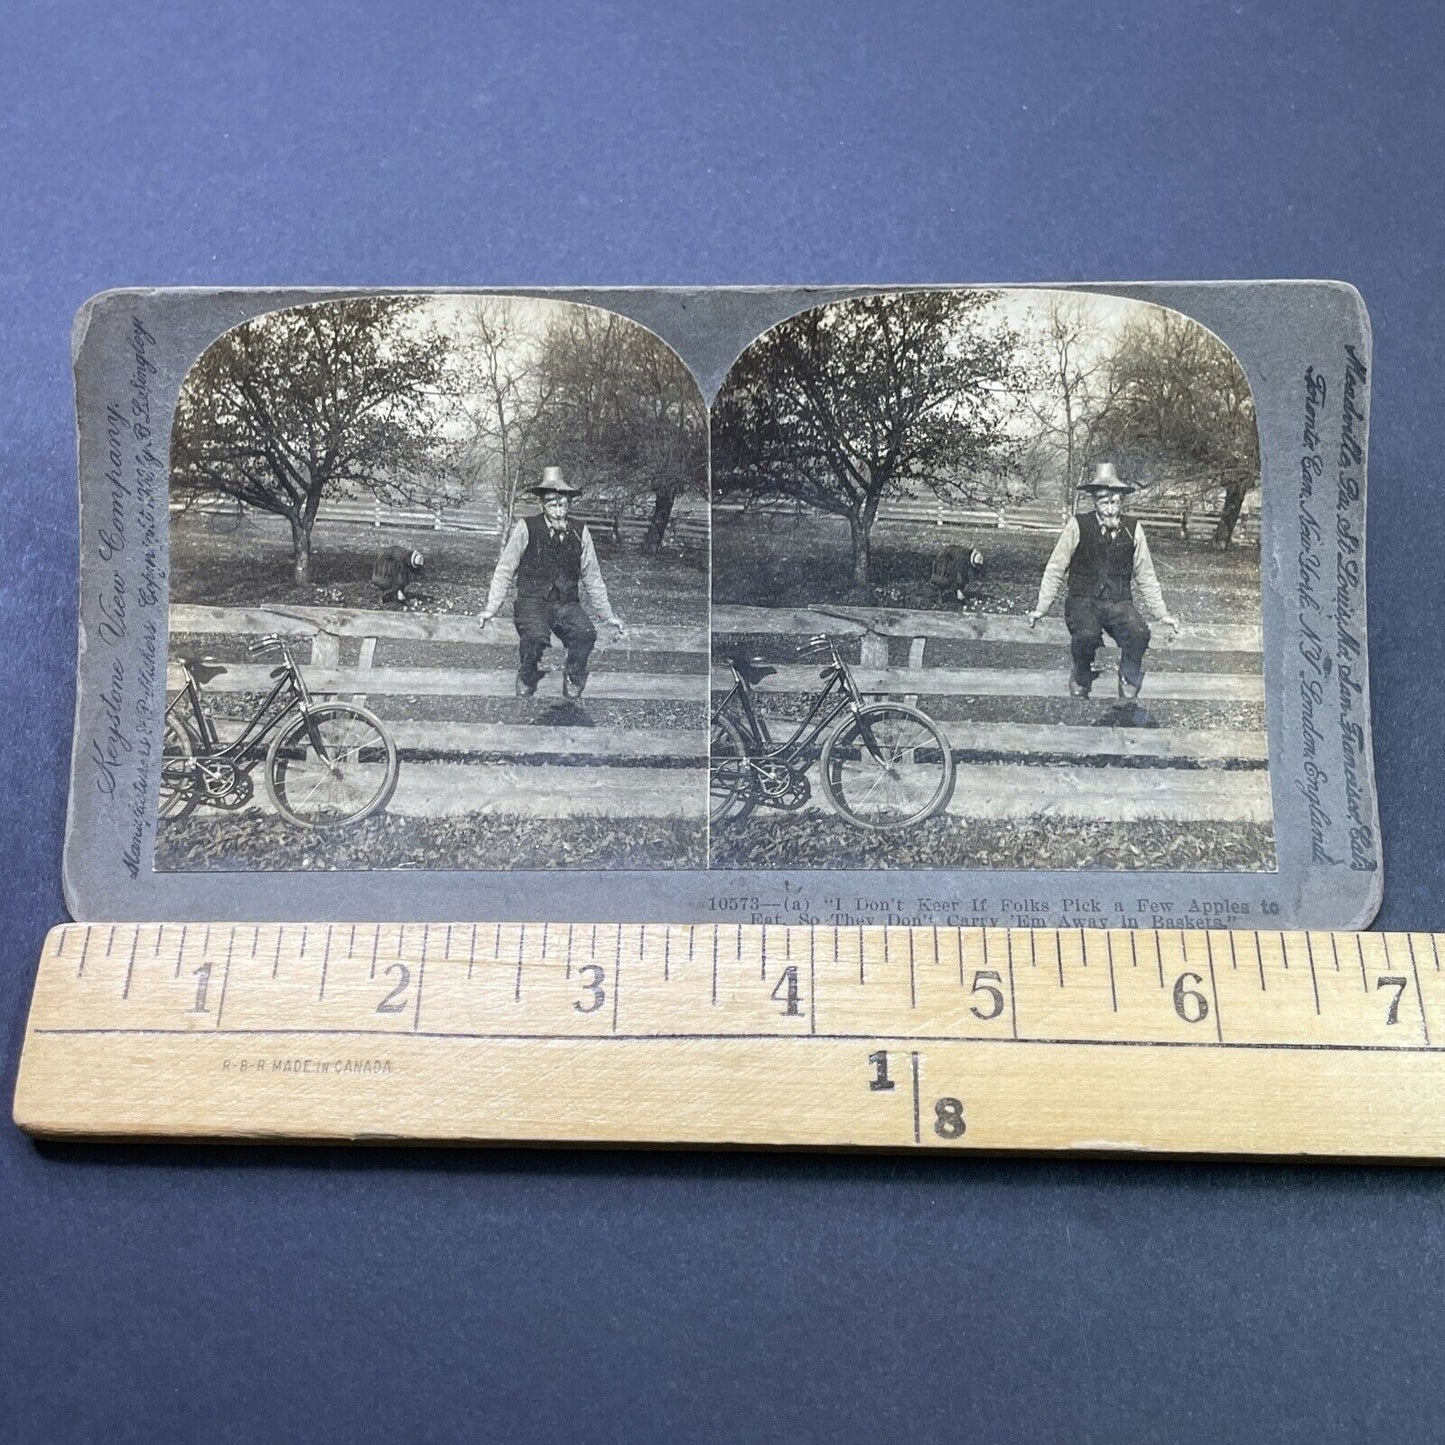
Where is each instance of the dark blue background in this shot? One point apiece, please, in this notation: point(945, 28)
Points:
point(154, 1294)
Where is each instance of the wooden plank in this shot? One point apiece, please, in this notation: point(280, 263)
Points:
point(998, 627)
point(411, 626)
point(796, 622)
point(801, 622)
point(1193, 744)
point(465, 739)
point(458, 682)
point(1017, 793)
point(434, 790)
point(539, 739)
point(539, 790)
point(1001, 682)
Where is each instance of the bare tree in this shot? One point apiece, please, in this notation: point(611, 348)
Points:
point(501, 390)
point(1183, 420)
point(315, 402)
point(1071, 387)
point(622, 413)
point(860, 400)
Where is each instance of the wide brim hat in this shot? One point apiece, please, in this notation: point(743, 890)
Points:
point(553, 481)
point(1106, 479)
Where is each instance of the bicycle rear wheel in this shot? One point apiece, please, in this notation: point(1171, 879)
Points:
point(349, 777)
point(906, 775)
point(179, 745)
point(729, 774)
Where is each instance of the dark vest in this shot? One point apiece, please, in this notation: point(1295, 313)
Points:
point(550, 568)
point(1099, 570)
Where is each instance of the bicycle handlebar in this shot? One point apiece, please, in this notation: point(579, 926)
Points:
point(817, 643)
point(272, 641)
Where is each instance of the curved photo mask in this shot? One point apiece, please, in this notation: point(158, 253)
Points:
point(990, 605)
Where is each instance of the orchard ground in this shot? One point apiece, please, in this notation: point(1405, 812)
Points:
point(777, 561)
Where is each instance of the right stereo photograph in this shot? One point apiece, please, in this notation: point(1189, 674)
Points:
point(986, 591)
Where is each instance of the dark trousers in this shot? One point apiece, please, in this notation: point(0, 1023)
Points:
point(1088, 621)
point(537, 619)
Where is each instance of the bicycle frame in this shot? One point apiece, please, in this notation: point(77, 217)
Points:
point(262, 723)
point(820, 717)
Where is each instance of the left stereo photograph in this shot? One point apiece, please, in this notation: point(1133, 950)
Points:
point(438, 593)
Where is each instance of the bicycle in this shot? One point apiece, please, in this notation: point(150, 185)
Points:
point(328, 764)
point(885, 766)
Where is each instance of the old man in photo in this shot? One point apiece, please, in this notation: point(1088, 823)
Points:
point(1103, 556)
point(554, 564)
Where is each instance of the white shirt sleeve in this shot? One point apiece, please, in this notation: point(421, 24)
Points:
point(506, 570)
point(594, 589)
point(1145, 578)
point(1057, 567)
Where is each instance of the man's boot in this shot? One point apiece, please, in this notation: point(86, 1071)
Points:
point(525, 688)
point(1128, 690)
point(572, 689)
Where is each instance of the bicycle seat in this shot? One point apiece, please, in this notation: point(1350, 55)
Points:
point(203, 669)
point(752, 670)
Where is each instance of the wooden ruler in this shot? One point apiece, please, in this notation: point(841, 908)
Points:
point(1197, 1042)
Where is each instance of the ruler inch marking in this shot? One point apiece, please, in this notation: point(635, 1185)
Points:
point(1314, 980)
point(420, 973)
point(130, 960)
point(1214, 991)
point(616, 978)
point(917, 1132)
point(1013, 1008)
point(812, 980)
point(225, 979)
point(1419, 994)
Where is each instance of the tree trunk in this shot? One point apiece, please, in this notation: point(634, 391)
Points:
point(301, 550)
point(1233, 504)
point(657, 523)
point(861, 558)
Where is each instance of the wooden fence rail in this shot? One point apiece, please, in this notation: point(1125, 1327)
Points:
point(1018, 770)
point(548, 765)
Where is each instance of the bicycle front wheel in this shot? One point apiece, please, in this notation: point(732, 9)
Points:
point(888, 766)
point(729, 775)
point(333, 766)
